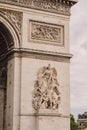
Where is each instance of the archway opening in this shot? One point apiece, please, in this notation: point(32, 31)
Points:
point(6, 44)
point(6, 40)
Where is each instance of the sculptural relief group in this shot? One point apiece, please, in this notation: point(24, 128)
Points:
point(46, 93)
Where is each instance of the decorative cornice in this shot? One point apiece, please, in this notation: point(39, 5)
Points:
point(41, 52)
point(46, 114)
point(37, 54)
point(54, 6)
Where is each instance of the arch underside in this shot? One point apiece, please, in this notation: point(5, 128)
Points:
point(6, 40)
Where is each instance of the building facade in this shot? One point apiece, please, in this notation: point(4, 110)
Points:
point(82, 121)
point(35, 64)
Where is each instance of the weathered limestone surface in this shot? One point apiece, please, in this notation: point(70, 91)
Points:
point(38, 64)
point(44, 118)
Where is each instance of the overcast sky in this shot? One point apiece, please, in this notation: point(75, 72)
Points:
point(78, 42)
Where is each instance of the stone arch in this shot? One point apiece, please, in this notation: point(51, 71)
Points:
point(11, 30)
point(9, 40)
point(6, 40)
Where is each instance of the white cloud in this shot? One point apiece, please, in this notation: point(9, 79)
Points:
point(78, 36)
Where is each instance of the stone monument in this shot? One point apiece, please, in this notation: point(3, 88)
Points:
point(35, 64)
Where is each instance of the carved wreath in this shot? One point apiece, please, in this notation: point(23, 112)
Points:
point(46, 94)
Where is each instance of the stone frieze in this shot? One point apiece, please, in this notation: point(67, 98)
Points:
point(54, 6)
point(46, 32)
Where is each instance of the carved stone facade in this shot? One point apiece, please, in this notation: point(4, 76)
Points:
point(32, 95)
point(56, 6)
point(14, 18)
point(45, 32)
point(46, 89)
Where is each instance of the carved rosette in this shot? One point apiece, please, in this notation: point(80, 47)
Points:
point(14, 18)
point(54, 6)
point(46, 93)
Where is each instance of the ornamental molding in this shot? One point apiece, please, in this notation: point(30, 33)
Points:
point(46, 33)
point(14, 18)
point(54, 6)
point(46, 93)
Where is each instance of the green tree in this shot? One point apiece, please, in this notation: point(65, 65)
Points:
point(73, 124)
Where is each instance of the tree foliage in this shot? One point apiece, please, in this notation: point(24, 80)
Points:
point(73, 124)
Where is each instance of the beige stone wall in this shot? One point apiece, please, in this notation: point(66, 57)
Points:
point(30, 68)
point(49, 19)
point(47, 119)
point(41, 123)
point(13, 94)
point(10, 85)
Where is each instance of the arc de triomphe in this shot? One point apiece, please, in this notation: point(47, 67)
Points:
point(35, 64)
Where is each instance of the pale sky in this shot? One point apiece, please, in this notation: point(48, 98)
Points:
point(78, 43)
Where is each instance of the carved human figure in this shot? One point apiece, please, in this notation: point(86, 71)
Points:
point(46, 94)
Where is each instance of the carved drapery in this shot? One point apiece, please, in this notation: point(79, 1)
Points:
point(46, 89)
point(56, 6)
point(14, 18)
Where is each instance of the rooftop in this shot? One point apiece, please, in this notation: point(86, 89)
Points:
point(82, 116)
